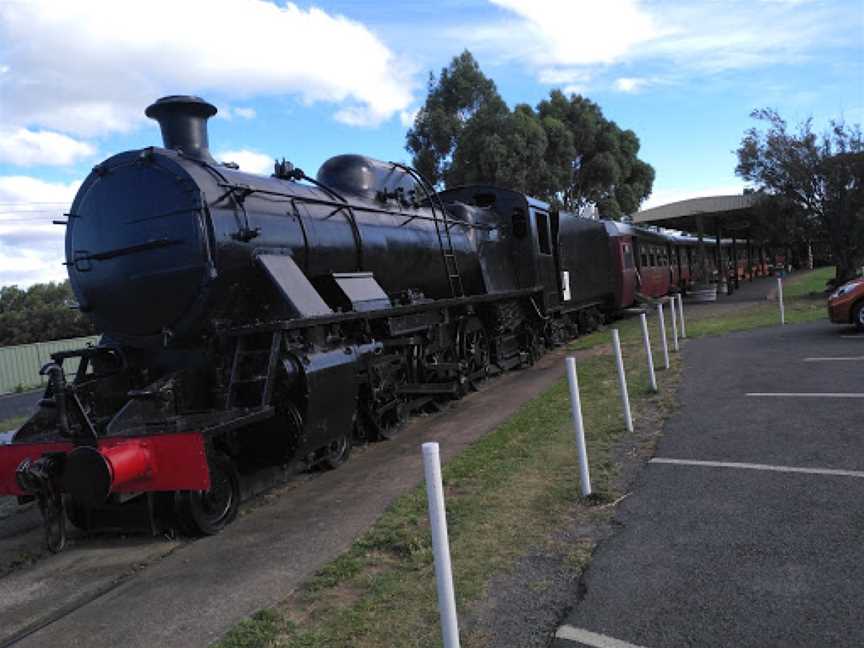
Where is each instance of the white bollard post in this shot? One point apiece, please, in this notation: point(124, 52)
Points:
point(622, 380)
point(681, 315)
point(576, 410)
point(780, 299)
point(646, 340)
point(665, 345)
point(674, 315)
point(440, 545)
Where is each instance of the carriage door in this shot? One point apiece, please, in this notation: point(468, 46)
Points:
point(546, 271)
point(674, 267)
point(626, 270)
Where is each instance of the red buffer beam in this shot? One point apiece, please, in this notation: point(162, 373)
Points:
point(165, 462)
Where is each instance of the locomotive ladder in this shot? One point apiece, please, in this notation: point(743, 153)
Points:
point(253, 372)
point(445, 242)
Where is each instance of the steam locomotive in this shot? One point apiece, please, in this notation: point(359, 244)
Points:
point(252, 321)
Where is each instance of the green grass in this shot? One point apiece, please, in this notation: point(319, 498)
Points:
point(505, 494)
point(12, 423)
point(809, 284)
point(804, 300)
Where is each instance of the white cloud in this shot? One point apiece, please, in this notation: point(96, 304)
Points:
point(125, 54)
point(245, 113)
point(574, 89)
point(407, 117)
point(569, 43)
point(630, 84)
point(580, 33)
point(555, 76)
point(31, 247)
point(229, 112)
point(249, 161)
point(666, 195)
point(25, 147)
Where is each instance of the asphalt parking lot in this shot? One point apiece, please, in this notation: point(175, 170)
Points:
point(746, 528)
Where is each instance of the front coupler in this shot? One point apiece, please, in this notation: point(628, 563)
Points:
point(91, 474)
point(40, 478)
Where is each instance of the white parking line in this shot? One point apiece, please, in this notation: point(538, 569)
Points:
point(852, 337)
point(852, 358)
point(807, 394)
point(753, 466)
point(591, 638)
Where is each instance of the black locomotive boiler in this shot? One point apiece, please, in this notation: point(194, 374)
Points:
point(253, 321)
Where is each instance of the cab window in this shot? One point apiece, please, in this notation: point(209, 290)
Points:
point(543, 238)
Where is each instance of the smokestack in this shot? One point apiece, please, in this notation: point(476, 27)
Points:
point(183, 120)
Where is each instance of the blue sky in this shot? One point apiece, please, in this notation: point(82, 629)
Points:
point(307, 81)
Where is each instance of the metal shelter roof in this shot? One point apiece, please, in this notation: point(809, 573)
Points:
point(729, 213)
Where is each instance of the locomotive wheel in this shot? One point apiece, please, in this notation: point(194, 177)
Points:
point(474, 347)
point(390, 426)
point(533, 346)
point(336, 453)
point(77, 514)
point(208, 512)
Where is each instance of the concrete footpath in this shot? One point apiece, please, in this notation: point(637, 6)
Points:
point(746, 528)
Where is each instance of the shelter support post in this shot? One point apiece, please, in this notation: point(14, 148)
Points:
point(735, 262)
point(749, 259)
point(703, 257)
point(722, 286)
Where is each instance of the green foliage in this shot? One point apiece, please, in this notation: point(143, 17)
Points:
point(453, 99)
point(604, 159)
point(812, 185)
point(40, 313)
point(564, 151)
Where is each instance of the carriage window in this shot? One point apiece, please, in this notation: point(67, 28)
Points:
point(543, 232)
point(628, 255)
point(652, 259)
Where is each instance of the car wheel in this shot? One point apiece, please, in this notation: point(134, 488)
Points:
point(858, 316)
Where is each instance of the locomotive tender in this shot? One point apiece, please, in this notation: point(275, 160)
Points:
point(252, 321)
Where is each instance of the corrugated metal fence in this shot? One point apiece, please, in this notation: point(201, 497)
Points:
point(19, 365)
